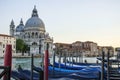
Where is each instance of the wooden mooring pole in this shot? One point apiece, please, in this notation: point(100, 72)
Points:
point(108, 65)
point(102, 66)
point(32, 62)
point(46, 63)
point(54, 61)
point(8, 61)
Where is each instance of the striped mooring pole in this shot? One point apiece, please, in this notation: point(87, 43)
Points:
point(46, 63)
point(8, 60)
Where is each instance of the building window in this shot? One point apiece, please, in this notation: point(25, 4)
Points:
point(3, 46)
point(3, 51)
point(14, 46)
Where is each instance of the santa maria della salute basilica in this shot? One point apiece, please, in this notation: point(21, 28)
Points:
point(33, 33)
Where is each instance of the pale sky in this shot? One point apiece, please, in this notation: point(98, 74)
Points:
point(68, 20)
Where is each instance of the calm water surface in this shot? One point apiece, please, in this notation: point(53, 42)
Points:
point(26, 62)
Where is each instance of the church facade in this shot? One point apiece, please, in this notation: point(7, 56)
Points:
point(33, 33)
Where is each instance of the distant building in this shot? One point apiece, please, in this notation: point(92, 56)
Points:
point(105, 49)
point(33, 33)
point(117, 50)
point(4, 40)
point(62, 45)
point(88, 48)
point(78, 47)
point(85, 46)
point(77, 44)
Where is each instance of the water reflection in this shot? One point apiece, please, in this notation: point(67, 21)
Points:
point(25, 62)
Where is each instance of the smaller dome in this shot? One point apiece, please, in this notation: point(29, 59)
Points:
point(20, 27)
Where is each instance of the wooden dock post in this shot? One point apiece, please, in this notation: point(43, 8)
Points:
point(8, 60)
point(60, 58)
point(102, 67)
point(32, 62)
point(46, 63)
point(54, 60)
point(108, 65)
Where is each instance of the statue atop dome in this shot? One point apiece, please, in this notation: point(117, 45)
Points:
point(34, 12)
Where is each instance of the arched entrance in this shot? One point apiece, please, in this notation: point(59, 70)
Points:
point(34, 48)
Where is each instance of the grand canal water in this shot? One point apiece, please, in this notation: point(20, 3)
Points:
point(26, 62)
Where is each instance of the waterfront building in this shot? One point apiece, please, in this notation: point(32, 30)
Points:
point(90, 47)
point(105, 49)
point(77, 44)
point(4, 40)
point(87, 48)
point(33, 33)
point(78, 47)
point(117, 50)
point(62, 45)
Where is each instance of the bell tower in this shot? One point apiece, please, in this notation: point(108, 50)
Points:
point(12, 28)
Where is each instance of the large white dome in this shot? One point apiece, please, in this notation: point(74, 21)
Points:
point(35, 22)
